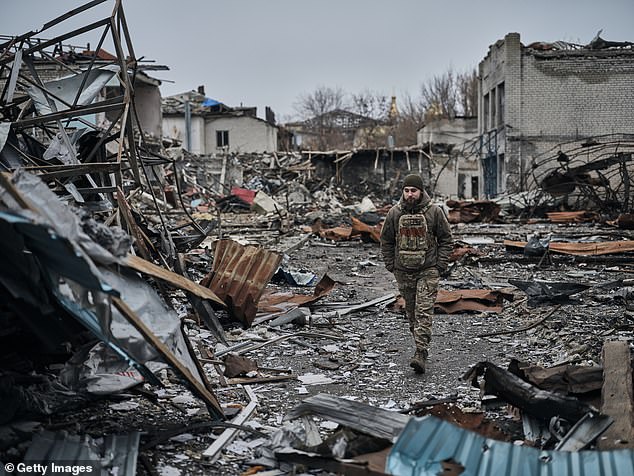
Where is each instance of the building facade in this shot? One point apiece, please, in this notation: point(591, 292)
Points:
point(539, 100)
point(455, 164)
point(207, 127)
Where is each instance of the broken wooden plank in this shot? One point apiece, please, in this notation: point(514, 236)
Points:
point(254, 380)
point(146, 267)
point(387, 299)
point(227, 436)
point(209, 398)
point(373, 421)
point(616, 396)
point(203, 309)
point(582, 249)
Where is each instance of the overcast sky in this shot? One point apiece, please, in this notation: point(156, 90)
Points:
point(269, 52)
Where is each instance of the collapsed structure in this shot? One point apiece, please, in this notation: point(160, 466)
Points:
point(123, 278)
point(558, 116)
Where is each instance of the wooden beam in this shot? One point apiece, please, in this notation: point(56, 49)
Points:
point(133, 228)
point(197, 387)
point(616, 396)
point(146, 267)
point(229, 434)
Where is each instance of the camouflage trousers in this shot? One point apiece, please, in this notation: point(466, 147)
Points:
point(419, 291)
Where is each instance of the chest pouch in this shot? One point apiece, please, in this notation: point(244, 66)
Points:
point(412, 240)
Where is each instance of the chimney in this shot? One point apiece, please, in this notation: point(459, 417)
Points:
point(201, 89)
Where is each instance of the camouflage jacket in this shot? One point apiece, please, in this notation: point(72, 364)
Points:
point(435, 252)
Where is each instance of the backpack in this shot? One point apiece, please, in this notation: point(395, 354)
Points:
point(412, 239)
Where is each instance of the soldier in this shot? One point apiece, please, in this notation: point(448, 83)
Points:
point(415, 243)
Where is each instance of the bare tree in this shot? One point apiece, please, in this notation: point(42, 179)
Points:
point(450, 94)
point(375, 108)
point(371, 104)
point(467, 85)
point(314, 108)
point(439, 95)
point(322, 100)
point(411, 118)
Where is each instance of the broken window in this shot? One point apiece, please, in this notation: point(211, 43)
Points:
point(493, 114)
point(501, 173)
point(485, 115)
point(500, 107)
point(222, 138)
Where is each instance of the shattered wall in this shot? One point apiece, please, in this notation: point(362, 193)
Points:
point(378, 171)
point(536, 101)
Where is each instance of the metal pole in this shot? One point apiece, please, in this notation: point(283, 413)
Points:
point(188, 126)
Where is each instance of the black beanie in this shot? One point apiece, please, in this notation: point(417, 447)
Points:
point(413, 180)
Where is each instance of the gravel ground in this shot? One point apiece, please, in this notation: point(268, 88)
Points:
point(367, 352)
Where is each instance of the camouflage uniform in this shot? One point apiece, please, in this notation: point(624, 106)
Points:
point(419, 291)
point(417, 279)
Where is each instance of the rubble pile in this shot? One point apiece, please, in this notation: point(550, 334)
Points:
point(166, 313)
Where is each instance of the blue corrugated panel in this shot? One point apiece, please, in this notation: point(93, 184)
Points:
point(426, 442)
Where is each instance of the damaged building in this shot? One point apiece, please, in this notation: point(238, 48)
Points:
point(205, 126)
point(453, 153)
point(548, 111)
point(167, 312)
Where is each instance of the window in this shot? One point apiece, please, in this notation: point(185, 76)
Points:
point(222, 138)
point(500, 104)
point(493, 114)
point(485, 116)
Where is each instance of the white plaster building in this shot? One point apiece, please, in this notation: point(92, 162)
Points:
point(207, 127)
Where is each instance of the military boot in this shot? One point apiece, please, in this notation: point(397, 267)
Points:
point(418, 361)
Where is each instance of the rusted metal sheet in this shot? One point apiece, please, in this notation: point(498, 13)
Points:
point(338, 233)
point(571, 217)
point(239, 276)
point(276, 303)
point(582, 249)
point(451, 302)
point(365, 230)
point(468, 212)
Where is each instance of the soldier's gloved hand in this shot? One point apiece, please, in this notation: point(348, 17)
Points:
point(444, 272)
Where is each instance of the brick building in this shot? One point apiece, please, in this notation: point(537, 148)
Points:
point(545, 98)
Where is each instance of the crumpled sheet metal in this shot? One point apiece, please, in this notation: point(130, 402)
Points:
point(468, 212)
point(427, 442)
point(239, 275)
point(274, 304)
point(581, 249)
point(539, 291)
point(113, 454)
point(46, 207)
point(451, 302)
point(91, 83)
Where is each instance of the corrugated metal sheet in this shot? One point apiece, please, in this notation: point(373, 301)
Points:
point(426, 442)
point(115, 454)
point(240, 274)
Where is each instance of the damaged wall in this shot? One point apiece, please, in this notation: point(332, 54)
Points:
point(369, 170)
point(455, 170)
point(535, 98)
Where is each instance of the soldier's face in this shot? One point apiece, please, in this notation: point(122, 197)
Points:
point(411, 194)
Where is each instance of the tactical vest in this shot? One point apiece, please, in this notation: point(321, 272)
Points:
point(412, 239)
